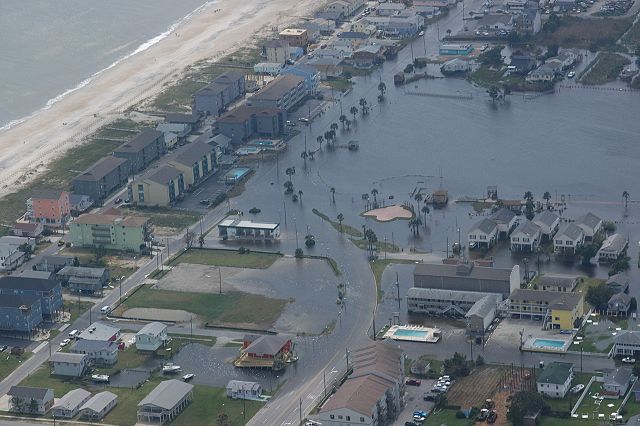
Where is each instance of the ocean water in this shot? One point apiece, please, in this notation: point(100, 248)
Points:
point(48, 48)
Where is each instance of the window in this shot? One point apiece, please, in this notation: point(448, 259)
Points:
point(331, 416)
point(559, 242)
point(348, 418)
point(362, 419)
point(515, 239)
point(339, 417)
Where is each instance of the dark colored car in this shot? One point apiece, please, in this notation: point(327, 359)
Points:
point(413, 382)
point(118, 200)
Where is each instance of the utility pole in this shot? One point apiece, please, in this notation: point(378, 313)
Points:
point(220, 279)
point(471, 346)
point(347, 352)
point(324, 382)
point(295, 225)
point(285, 212)
point(191, 324)
point(398, 287)
point(385, 247)
point(374, 325)
point(300, 410)
point(581, 358)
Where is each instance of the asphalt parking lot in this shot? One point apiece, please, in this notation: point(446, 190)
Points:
point(415, 402)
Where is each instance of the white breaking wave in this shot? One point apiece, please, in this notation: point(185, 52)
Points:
point(144, 46)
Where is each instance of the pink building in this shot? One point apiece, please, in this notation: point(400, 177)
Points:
point(49, 206)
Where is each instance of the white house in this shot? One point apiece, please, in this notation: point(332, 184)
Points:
point(10, 258)
point(165, 402)
point(544, 73)
point(237, 389)
point(506, 221)
point(548, 222)
point(23, 399)
point(526, 237)
point(388, 9)
point(98, 405)
point(455, 65)
point(69, 364)
point(342, 9)
point(483, 234)
point(555, 380)
point(568, 238)
point(590, 225)
point(627, 343)
point(152, 336)
point(612, 248)
point(69, 405)
point(277, 51)
point(100, 352)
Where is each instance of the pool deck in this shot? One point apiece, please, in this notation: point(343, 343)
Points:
point(529, 345)
point(432, 335)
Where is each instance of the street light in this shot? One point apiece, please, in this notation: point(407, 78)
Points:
point(120, 285)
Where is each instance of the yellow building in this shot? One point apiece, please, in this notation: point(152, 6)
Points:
point(557, 310)
point(565, 310)
point(196, 161)
point(160, 186)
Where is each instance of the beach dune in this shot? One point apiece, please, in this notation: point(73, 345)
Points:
point(215, 30)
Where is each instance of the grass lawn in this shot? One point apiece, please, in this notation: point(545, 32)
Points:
point(583, 33)
point(233, 344)
point(212, 404)
point(435, 367)
point(378, 267)
point(185, 339)
point(341, 84)
point(447, 417)
point(227, 308)
point(60, 171)
point(76, 309)
point(632, 37)
point(486, 77)
point(9, 362)
point(566, 403)
point(347, 229)
point(380, 245)
point(606, 68)
point(175, 220)
point(231, 258)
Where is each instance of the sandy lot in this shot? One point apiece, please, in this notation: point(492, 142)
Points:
point(215, 30)
point(387, 214)
point(155, 314)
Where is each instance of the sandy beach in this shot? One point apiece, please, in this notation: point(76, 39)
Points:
point(214, 31)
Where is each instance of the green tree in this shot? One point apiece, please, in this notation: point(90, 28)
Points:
point(547, 197)
point(408, 69)
point(354, 112)
point(290, 171)
point(492, 57)
point(374, 192)
point(633, 305)
point(334, 127)
point(348, 123)
point(457, 366)
point(494, 93)
point(342, 119)
point(340, 219)
point(587, 251)
point(418, 197)
point(201, 240)
point(523, 403)
point(599, 295)
point(320, 139)
point(288, 186)
point(299, 253)
point(304, 156)
point(333, 194)
point(300, 193)
point(364, 109)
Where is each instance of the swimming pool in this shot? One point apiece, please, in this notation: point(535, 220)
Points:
point(548, 343)
point(403, 332)
point(237, 173)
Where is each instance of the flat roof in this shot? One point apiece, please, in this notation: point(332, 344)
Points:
point(277, 88)
point(247, 224)
point(452, 295)
point(101, 332)
point(140, 141)
point(469, 271)
point(17, 301)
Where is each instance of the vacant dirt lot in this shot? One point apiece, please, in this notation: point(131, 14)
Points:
point(473, 390)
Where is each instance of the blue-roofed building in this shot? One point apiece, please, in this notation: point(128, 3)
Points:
point(311, 76)
point(49, 292)
point(20, 313)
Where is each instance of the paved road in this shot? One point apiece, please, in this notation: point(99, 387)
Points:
point(42, 355)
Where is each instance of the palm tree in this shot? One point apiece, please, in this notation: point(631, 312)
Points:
point(342, 119)
point(363, 104)
point(288, 185)
point(333, 194)
point(340, 219)
point(625, 195)
point(448, 32)
point(425, 210)
point(414, 224)
point(547, 196)
point(300, 195)
point(528, 196)
point(382, 88)
point(354, 111)
point(348, 123)
point(334, 127)
point(304, 156)
point(320, 139)
point(290, 172)
point(374, 192)
point(418, 197)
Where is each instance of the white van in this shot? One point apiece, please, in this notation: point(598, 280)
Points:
point(105, 309)
point(74, 334)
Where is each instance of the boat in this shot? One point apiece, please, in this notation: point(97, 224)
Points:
point(171, 368)
point(188, 377)
point(100, 378)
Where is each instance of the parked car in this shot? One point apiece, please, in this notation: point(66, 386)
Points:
point(629, 360)
point(413, 382)
point(65, 342)
point(118, 200)
point(571, 74)
point(492, 417)
point(3, 348)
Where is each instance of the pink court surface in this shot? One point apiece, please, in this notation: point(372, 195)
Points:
point(386, 214)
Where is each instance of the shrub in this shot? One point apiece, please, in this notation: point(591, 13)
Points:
point(254, 210)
